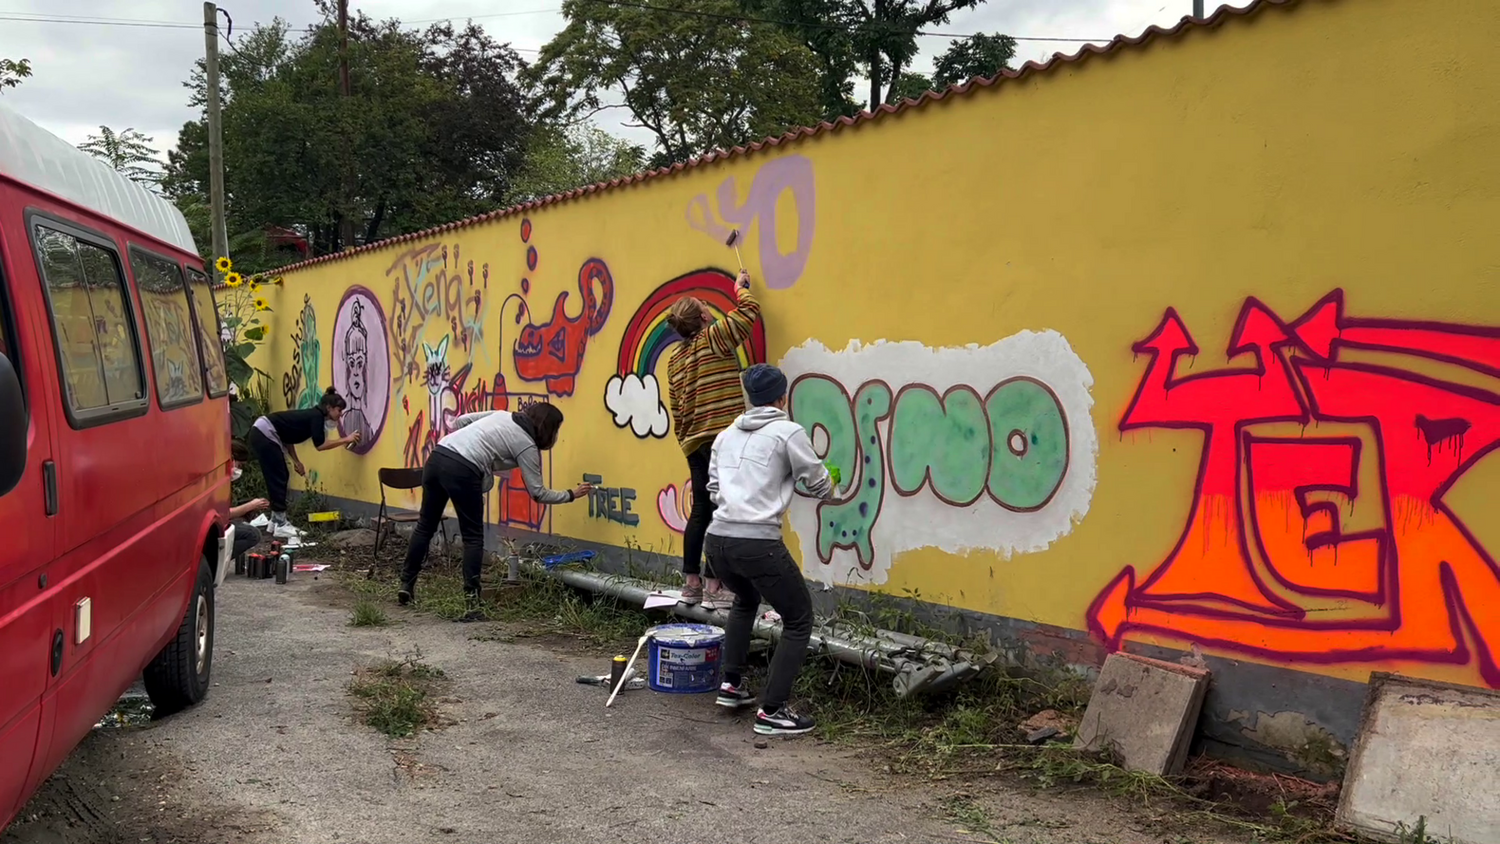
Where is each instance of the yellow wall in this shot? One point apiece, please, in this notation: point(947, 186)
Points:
point(1052, 222)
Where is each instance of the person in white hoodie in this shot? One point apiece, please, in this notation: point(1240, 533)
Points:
point(752, 475)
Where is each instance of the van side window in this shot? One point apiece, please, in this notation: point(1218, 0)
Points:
point(209, 340)
point(7, 346)
point(96, 339)
point(169, 328)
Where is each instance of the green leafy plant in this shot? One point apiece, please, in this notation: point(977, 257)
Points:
point(240, 312)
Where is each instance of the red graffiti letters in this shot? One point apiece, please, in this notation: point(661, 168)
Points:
point(1268, 563)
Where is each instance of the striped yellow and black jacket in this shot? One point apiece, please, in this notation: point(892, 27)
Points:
point(703, 375)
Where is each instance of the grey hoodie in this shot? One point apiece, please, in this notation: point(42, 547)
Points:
point(494, 443)
point(754, 470)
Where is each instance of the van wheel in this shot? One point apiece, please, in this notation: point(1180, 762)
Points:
point(179, 676)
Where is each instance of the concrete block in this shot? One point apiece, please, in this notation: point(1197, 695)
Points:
point(1144, 711)
point(1425, 749)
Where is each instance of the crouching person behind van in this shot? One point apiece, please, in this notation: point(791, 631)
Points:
point(245, 534)
point(752, 476)
point(275, 437)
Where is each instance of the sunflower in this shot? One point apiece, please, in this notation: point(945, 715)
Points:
point(262, 305)
point(254, 284)
point(233, 279)
point(224, 265)
point(276, 281)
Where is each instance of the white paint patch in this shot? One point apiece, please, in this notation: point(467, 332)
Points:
point(636, 402)
point(923, 520)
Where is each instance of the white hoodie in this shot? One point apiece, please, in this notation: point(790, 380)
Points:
point(752, 474)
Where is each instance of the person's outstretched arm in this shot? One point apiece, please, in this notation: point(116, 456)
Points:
point(725, 335)
point(530, 462)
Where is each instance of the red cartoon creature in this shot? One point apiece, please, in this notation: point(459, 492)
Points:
point(553, 352)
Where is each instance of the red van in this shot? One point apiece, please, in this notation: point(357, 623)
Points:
point(114, 453)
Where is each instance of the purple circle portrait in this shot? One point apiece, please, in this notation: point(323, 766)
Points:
point(362, 366)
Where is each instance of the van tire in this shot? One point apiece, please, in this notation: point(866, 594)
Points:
point(179, 676)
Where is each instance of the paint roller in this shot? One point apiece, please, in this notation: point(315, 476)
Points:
point(733, 242)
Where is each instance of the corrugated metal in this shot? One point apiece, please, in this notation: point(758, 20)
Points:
point(36, 157)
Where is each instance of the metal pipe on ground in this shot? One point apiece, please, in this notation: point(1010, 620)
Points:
point(919, 665)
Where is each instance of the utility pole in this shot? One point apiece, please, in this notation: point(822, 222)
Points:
point(346, 216)
point(1198, 9)
point(215, 131)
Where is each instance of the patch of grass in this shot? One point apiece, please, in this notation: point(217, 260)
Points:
point(395, 695)
point(964, 812)
point(367, 613)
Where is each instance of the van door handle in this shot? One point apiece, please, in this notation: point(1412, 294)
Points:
point(49, 481)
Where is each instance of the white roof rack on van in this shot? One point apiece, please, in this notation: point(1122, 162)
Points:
point(31, 154)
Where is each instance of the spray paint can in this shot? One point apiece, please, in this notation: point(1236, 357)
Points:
point(239, 565)
point(283, 568)
point(616, 671)
point(252, 565)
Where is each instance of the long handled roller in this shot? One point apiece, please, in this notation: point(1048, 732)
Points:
point(625, 675)
point(733, 241)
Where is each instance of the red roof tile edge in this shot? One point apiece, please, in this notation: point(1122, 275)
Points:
point(1151, 33)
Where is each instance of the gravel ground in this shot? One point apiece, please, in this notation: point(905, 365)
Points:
point(523, 754)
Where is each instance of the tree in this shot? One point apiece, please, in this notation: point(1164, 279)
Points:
point(12, 72)
point(977, 55)
point(435, 129)
point(130, 153)
point(699, 77)
point(877, 38)
point(562, 158)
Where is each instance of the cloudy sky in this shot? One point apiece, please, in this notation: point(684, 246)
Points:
point(129, 74)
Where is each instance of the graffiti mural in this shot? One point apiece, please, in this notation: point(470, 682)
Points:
point(434, 291)
point(299, 384)
point(1006, 464)
point(611, 503)
point(633, 394)
point(789, 174)
point(553, 352)
point(1266, 563)
point(674, 505)
point(362, 366)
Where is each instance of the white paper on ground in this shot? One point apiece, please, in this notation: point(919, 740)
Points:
point(663, 598)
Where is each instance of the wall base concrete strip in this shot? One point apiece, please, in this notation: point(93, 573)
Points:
point(1241, 699)
point(1144, 711)
point(1425, 749)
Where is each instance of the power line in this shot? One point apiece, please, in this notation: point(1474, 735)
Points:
point(105, 22)
point(154, 24)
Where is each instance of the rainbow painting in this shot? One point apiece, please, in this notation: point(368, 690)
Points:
point(648, 335)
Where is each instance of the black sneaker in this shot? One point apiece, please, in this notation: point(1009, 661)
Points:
point(406, 593)
point(782, 722)
point(735, 697)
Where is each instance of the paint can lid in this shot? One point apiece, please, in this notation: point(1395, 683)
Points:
point(686, 635)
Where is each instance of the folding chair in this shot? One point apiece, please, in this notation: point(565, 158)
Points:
point(386, 520)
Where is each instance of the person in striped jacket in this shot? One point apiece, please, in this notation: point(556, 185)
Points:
point(703, 377)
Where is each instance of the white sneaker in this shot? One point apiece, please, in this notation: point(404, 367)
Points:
point(286, 530)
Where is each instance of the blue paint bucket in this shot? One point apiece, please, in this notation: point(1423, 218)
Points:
point(684, 659)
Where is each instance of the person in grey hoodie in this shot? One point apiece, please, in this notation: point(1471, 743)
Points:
point(752, 475)
point(462, 468)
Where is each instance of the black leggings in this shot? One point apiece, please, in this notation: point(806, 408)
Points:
point(702, 513)
point(448, 477)
point(272, 461)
